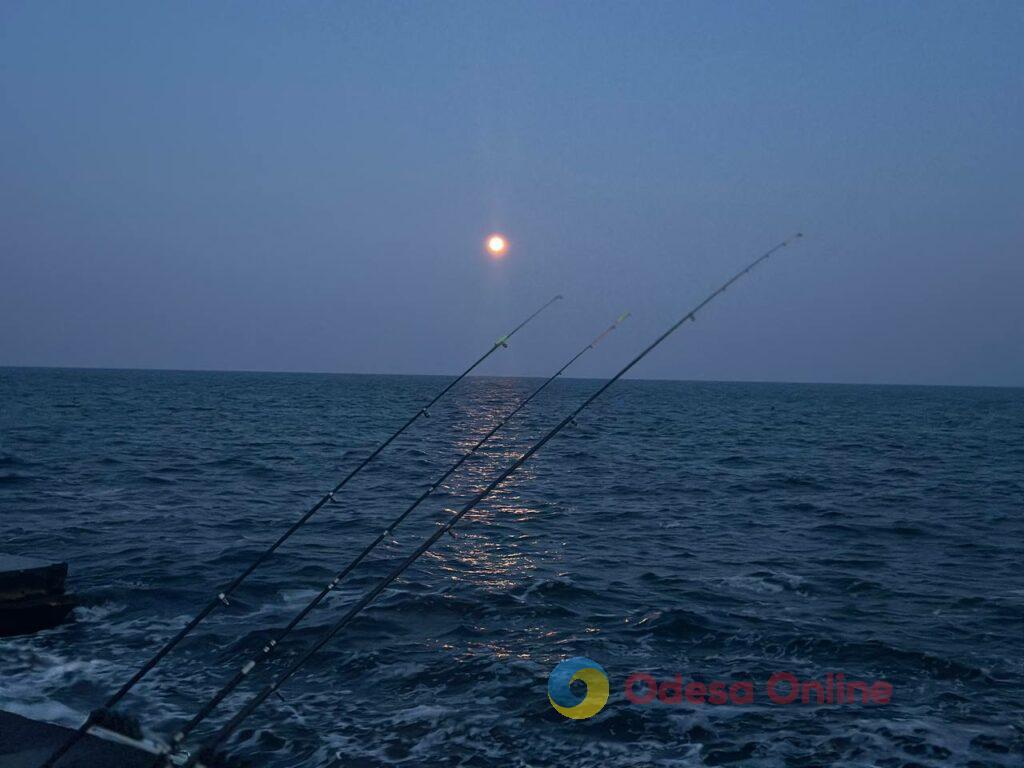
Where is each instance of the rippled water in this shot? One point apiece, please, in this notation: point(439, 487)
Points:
point(720, 531)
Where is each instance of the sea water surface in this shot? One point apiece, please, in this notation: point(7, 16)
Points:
point(713, 530)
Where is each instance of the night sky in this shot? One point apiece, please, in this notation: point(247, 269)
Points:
point(309, 186)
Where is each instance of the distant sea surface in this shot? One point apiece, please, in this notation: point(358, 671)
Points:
point(713, 530)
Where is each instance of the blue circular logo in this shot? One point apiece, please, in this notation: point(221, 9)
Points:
point(572, 705)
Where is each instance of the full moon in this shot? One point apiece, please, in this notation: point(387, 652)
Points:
point(497, 245)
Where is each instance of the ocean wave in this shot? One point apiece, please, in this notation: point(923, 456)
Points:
point(840, 531)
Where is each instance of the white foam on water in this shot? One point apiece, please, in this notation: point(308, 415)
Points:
point(45, 711)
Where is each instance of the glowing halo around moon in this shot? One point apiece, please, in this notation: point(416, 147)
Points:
point(497, 245)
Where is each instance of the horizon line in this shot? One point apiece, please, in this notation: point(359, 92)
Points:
point(501, 376)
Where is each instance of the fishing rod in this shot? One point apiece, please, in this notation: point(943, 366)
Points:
point(221, 597)
point(232, 725)
point(268, 649)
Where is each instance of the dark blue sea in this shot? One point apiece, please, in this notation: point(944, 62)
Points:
point(717, 531)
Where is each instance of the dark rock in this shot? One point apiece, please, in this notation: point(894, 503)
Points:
point(26, 743)
point(32, 595)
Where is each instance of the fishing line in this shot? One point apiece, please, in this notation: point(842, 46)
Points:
point(229, 728)
point(221, 598)
point(268, 649)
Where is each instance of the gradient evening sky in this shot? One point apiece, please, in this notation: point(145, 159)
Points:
point(307, 186)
